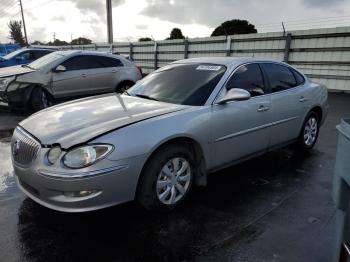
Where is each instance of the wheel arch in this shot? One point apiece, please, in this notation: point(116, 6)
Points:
point(196, 149)
point(125, 81)
point(318, 110)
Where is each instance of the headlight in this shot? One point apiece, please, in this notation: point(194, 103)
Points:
point(4, 82)
point(86, 155)
point(54, 154)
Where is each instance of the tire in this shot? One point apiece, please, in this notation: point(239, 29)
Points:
point(309, 132)
point(40, 99)
point(159, 187)
point(122, 87)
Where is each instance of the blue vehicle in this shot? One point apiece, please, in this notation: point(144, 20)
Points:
point(8, 48)
point(23, 56)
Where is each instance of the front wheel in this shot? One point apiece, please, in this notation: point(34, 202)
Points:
point(40, 99)
point(167, 178)
point(309, 132)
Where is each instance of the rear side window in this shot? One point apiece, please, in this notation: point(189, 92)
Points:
point(81, 63)
point(38, 54)
point(108, 61)
point(300, 79)
point(280, 77)
point(248, 77)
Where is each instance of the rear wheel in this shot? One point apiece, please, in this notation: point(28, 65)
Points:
point(309, 132)
point(122, 87)
point(167, 178)
point(40, 99)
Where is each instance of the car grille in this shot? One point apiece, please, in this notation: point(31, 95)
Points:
point(24, 147)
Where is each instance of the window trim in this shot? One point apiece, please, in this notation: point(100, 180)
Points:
point(268, 80)
point(266, 84)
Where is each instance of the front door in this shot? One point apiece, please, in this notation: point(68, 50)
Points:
point(241, 128)
point(76, 79)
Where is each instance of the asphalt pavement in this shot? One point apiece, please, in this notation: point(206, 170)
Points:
point(277, 207)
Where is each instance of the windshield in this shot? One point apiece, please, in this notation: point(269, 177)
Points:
point(45, 60)
point(186, 84)
point(12, 55)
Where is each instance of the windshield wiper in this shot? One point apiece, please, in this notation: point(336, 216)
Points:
point(146, 97)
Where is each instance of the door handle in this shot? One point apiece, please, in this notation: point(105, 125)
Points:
point(263, 108)
point(114, 71)
point(302, 99)
point(83, 75)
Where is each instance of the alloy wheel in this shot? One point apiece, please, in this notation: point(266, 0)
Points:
point(310, 131)
point(173, 181)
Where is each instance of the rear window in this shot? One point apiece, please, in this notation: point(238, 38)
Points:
point(187, 84)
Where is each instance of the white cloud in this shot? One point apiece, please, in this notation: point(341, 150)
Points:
point(140, 18)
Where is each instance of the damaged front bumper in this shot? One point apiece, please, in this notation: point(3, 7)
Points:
point(16, 94)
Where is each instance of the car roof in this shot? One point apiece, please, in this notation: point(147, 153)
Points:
point(227, 61)
point(39, 49)
point(87, 52)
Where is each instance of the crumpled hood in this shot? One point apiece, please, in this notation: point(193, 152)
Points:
point(78, 121)
point(14, 70)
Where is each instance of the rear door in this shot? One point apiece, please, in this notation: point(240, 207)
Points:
point(288, 103)
point(104, 79)
point(241, 128)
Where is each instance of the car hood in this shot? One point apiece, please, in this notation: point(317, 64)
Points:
point(79, 121)
point(14, 70)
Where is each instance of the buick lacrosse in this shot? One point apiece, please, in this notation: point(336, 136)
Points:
point(165, 134)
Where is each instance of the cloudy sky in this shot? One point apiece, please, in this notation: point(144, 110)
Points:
point(155, 18)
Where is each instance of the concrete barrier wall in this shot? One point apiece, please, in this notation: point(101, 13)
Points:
point(322, 54)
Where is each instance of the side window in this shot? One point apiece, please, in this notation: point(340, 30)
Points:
point(281, 78)
point(108, 61)
point(23, 56)
point(248, 77)
point(299, 77)
point(38, 54)
point(81, 63)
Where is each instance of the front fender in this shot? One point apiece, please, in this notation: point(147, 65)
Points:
point(144, 137)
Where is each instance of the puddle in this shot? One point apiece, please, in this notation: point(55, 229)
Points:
point(6, 170)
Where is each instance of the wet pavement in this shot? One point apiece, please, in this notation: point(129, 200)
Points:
point(277, 207)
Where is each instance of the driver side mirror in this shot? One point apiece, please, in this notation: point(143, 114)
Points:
point(234, 94)
point(60, 68)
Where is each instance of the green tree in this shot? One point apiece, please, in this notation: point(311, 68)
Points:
point(145, 39)
point(81, 41)
point(233, 27)
point(15, 30)
point(57, 42)
point(37, 42)
point(176, 34)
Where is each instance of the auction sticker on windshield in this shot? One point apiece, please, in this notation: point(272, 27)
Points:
point(208, 67)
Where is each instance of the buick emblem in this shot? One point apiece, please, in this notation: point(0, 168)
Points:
point(15, 148)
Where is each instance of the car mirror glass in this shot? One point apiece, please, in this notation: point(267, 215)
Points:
point(234, 94)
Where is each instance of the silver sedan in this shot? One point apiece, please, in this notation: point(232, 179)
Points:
point(165, 134)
